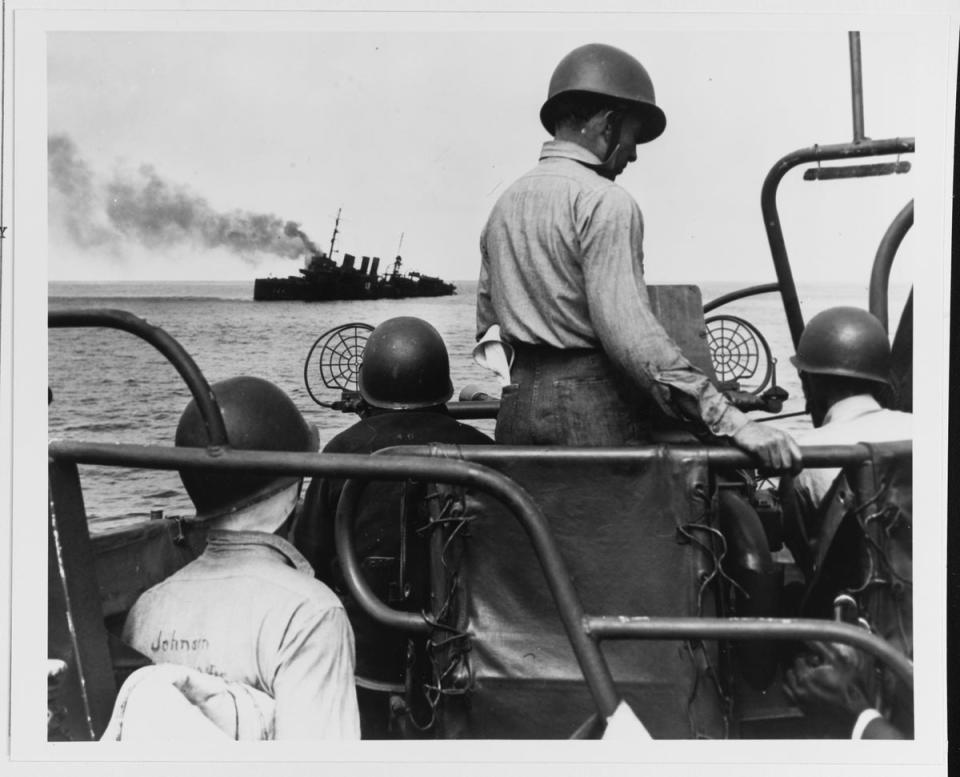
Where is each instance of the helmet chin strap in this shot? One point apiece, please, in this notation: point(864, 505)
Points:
point(267, 515)
point(607, 167)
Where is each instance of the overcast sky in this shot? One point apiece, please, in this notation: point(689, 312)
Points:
point(414, 127)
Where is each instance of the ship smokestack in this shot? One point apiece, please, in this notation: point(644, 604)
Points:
point(374, 267)
point(364, 264)
point(348, 261)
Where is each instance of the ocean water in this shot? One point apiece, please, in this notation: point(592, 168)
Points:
point(108, 386)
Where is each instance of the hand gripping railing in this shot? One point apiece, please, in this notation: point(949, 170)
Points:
point(464, 467)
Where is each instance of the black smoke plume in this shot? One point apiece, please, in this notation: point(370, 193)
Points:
point(144, 208)
point(73, 196)
point(292, 229)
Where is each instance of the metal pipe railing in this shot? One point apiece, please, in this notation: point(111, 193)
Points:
point(800, 629)
point(374, 467)
point(628, 627)
point(771, 217)
point(481, 408)
point(165, 344)
point(729, 458)
point(350, 566)
point(883, 262)
point(733, 296)
point(460, 465)
point(856, 86)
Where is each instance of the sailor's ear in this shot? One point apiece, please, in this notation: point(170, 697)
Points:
point(597, 124)
point(606, 121)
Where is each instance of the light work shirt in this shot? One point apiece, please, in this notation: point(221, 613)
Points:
point(250, 611)
point(854, 419)
point(562, 266)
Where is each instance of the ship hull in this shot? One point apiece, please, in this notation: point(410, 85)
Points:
point(300, 289)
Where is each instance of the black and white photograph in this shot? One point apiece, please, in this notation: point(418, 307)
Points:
point(418, 388)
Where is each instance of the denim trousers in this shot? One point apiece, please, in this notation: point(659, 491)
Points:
point(570, 397)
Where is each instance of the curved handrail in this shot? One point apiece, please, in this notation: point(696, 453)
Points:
point(799, 629)
point(591, 660)
point(733, 296)
point(883, 262)
point(175, 353)
point(771, 217)
point(369, 602)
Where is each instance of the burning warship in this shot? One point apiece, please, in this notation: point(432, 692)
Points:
point(322, 279)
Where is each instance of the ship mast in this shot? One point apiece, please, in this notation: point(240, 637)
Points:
point(333, 237)
point(398, 260)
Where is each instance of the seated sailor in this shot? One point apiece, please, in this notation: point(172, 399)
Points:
point(843, 358)
point(249, 610)
point(844, 362)
point(405, 383)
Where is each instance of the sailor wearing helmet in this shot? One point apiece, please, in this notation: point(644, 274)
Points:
point(249, 611)
point(405, 384)
point(562, 276)
point(844, 362)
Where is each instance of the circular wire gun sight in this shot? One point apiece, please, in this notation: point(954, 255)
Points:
point(333, 362)
point(740, 354)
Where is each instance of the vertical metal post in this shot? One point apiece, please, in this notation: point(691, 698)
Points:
point(856, 86)
point(77, 636)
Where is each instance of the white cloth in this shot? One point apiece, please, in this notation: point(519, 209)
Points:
point(249, 610)
point(855, 419)
point(624, 725)
point(266, 516)
point(168, 702)
point(493, 354)
point(863, 720)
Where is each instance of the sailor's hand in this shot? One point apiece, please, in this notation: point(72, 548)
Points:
point(776, 449)
point(828, 682)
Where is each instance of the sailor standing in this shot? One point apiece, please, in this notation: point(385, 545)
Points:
point(562, 275)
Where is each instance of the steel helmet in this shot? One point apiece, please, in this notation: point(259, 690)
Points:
point(258, 416)
point(847, 342)
point(405, 366)
point(604, 70)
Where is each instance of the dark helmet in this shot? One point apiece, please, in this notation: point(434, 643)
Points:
point(258, 416)
point(847, 342)
point(405, 366)
point(604, 70)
